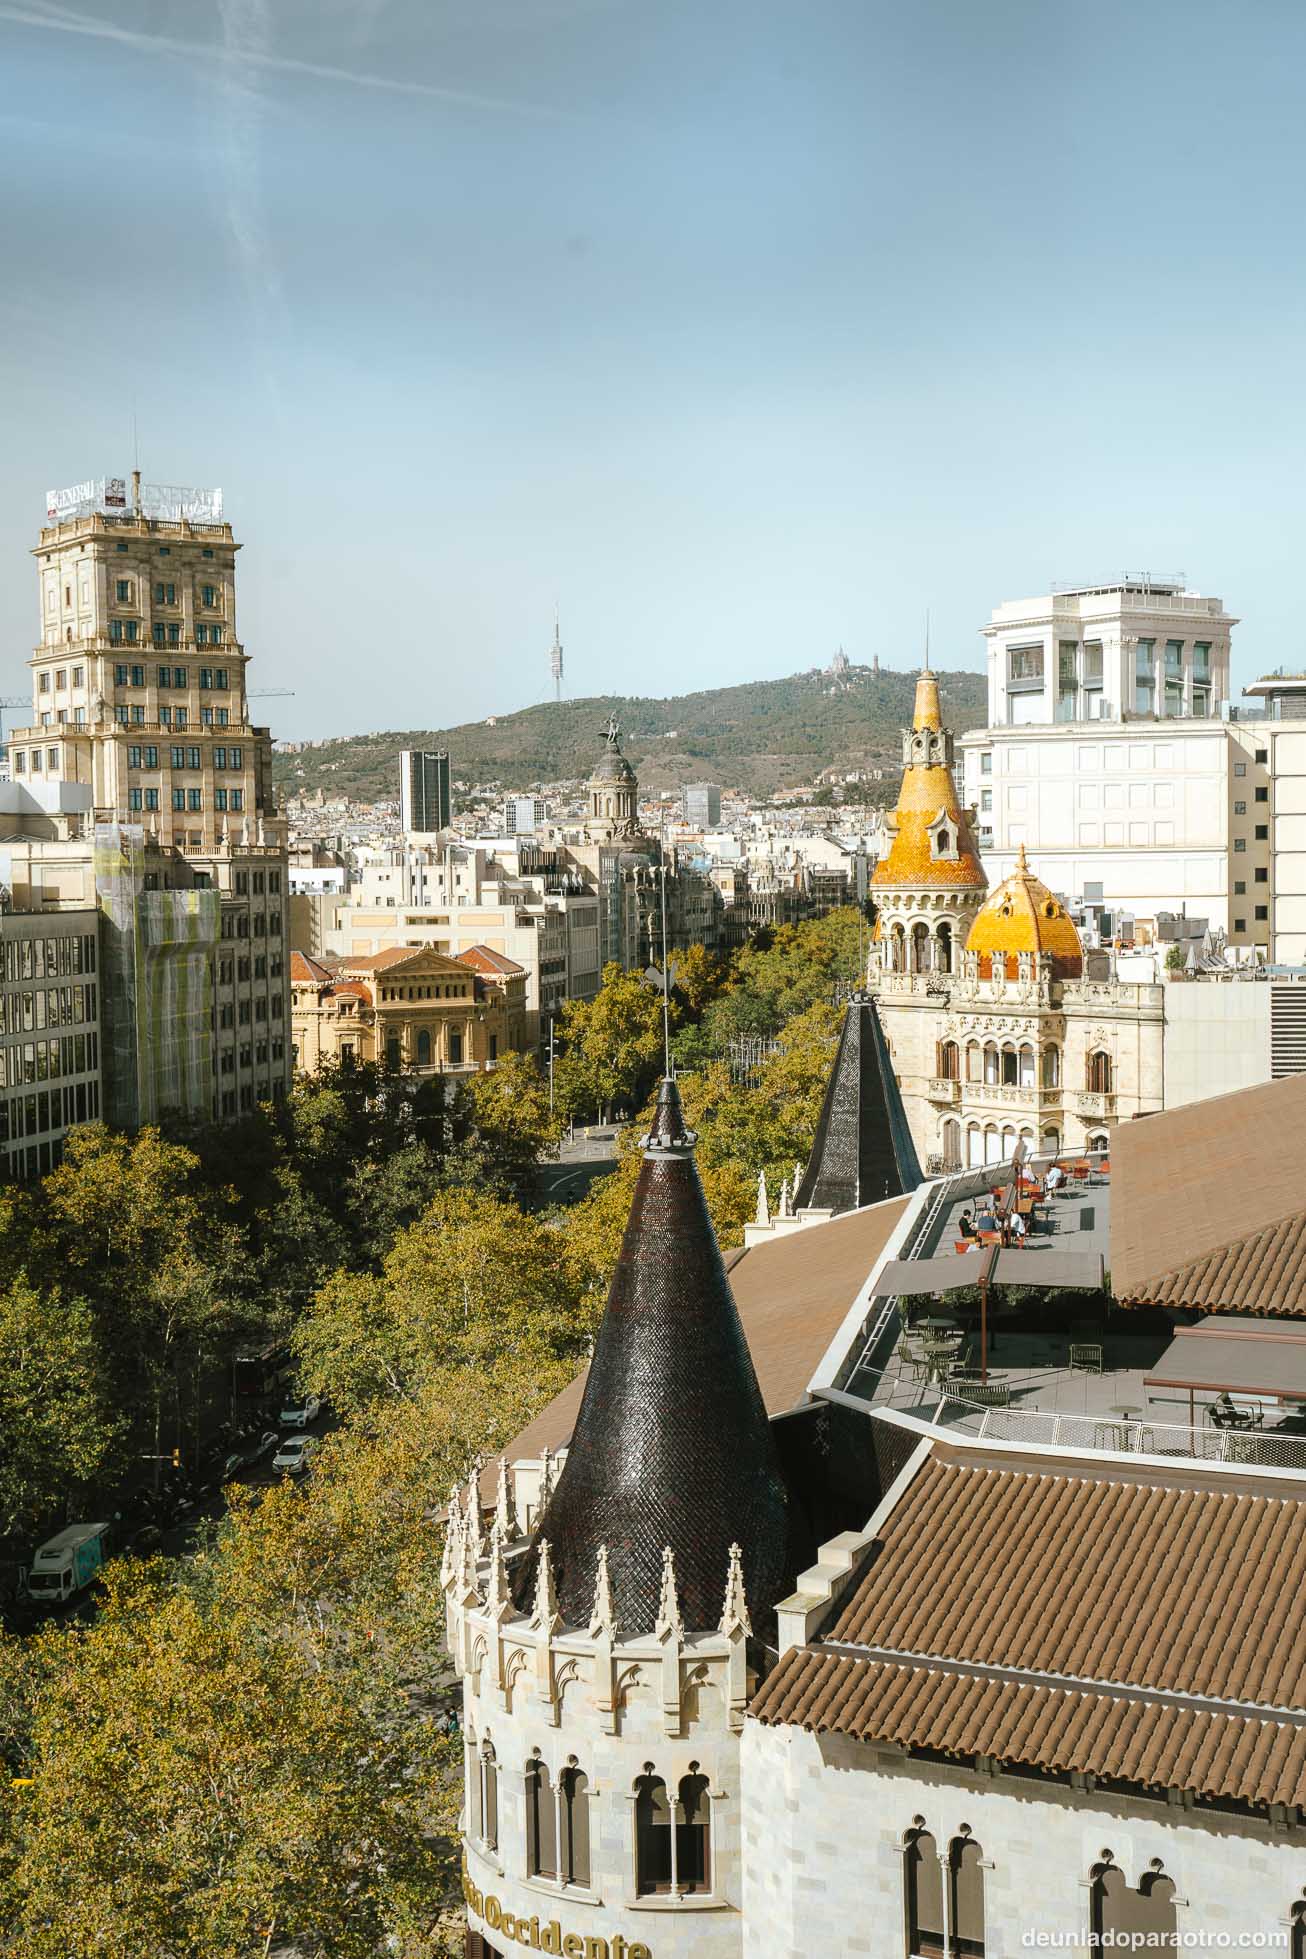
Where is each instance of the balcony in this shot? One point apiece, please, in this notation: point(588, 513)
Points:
point(1010, 1094)
point(944, 1089)
point(1100, 1108)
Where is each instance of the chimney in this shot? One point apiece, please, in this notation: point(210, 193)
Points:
point(136, 493)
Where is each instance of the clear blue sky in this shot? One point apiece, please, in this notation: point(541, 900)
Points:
point(739, 329)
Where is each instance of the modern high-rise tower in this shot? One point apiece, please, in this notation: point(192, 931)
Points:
point(555, 661)
point(424, 798)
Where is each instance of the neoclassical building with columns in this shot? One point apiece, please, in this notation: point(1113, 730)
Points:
point(1000, 1028)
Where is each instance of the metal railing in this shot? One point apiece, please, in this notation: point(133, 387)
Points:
point(1116, 1435)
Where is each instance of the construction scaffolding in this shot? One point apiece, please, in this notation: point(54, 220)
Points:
point(157, 955)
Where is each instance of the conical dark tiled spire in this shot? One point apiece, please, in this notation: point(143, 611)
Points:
point(863, 1150)
point(672, 1447)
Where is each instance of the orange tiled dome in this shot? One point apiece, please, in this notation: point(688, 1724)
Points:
point(927, 801)
point(1023, 916)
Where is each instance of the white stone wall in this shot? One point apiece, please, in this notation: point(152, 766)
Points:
point(825, 1818)
point(520, 1725)
point(1217, 1038)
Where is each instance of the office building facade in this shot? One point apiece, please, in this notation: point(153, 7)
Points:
point(424, 791)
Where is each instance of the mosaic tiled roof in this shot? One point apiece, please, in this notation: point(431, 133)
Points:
point(671, 1445)
point(928, 793)
point(1022, 915)
point(863, 1150)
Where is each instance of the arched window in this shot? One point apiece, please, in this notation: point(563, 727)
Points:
point(992, 1065)
point(1099, 1073)
point(949, 1061)
point(392, 1053)
point(652, 1836)
point(943, 943)
point(485, 1795)
point(1052, 1066)
point(992, 1145)
point(920, 948)
point(1099, 1143)
point(424, 1047)
point(693, 1846)
point(574, 1825)
point(1116, 1908)
point(1025, 1067)
point(974, 1062)
point(950, 1136)
point(673, 1842)
point(1008, 1145)
point(966, 1897)
point(974, 1146)
point(922, 1881)
point(541, 1822)
point(1010, 1067)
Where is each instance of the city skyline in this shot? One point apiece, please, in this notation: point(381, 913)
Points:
point(733, 350)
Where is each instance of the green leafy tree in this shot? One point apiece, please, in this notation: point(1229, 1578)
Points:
point(612, 1044)
point(59, 1428)
point(473, 1281)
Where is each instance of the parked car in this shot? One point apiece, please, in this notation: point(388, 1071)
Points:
point(294, 1456)
point(298, 1414)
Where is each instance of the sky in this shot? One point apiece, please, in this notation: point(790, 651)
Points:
point(735, 330)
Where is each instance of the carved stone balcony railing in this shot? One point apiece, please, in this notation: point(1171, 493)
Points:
point(1099, 1106)
point(943, 1089)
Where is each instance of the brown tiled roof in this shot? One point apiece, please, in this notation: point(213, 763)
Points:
point(1155, 1743)
point(1264, 1272)
point(483, 959)
point(1193, 1190)
point(792, 1292)
point(1126, 1580)
point(305, 971)
point(379, 962)
point(1035, 1615)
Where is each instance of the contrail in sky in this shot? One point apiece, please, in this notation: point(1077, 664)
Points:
point(59, 21)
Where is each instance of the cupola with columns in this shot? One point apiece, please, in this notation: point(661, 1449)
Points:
point(929, 883)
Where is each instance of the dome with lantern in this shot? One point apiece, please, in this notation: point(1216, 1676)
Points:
point(1022, 915)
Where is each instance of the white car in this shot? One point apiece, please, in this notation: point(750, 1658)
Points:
point(298, 1414)
point(295, 1455)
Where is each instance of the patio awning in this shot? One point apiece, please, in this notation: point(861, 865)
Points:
point(1246, 1356)
point(1071, 1271)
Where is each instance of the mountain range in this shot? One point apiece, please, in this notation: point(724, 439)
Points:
point(759, 737)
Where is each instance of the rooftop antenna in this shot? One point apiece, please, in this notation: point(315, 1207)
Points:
point(927, 639)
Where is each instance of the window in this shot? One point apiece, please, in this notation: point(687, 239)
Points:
point(949, 1061)
point(219, 799)
point(206, 676)
point(151, 799)
point(115, 632)
point(1240, 843)
point(133, 757)
point(986, 761)
point(208, 596)
point(79, 676)
point(123, 591)
point(133, 799)
point(179, 718)
point(485, 1795)
point(61, 679)
point(138, 675)
point(1262, 912)
point(174, 635)
point(1240, 768)
point(237, 799)
point(235, 754)
point(1052, 1067)
point(1262, 795)
point(455, 1049)
point(194, 799)
point(206, 717)
point(222, 717)
point(424, 1048)
point(201, 635)
point(1099, 1073)
point(1262, 876)
point(156, 634)
point(120, 715)
point(966, 1896)
point(1262, 754)
point(207, 552)
point(1025, 665)
point(193, 758)
point(1239, 887)
point(220, 680)
point(1240, 925)
point(138, 717)
point(922, 1880)
point(673, 1848)
point(179, 799)
point(541, 1816)
point(151, 756)
point(1240, 809)
point(1124, 1916)
point(129, 634)
point(219, 758)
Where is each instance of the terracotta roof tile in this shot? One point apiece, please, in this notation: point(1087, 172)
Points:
point(483, 959)
point(1249, 1758)
point(1133, 1581)
point(305, 971)
point(1206, 1203)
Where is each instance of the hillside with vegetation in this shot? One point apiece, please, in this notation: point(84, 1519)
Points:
point(760, 737)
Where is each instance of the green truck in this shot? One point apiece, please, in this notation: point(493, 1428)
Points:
point(65, 1564)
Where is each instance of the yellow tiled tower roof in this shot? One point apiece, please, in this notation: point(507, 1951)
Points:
point(1023, 916)
point(932, 848)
